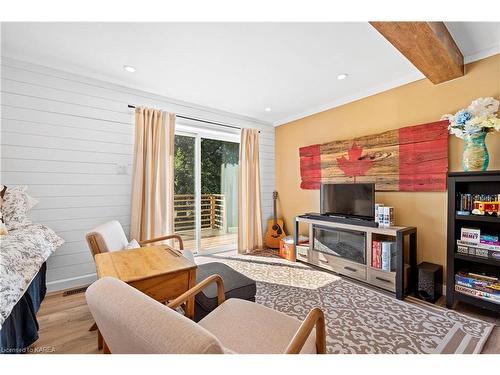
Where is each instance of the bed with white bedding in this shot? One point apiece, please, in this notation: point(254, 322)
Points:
point(24, 249)
point(22, 253)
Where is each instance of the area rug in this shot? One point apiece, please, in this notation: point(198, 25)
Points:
point(360, 319)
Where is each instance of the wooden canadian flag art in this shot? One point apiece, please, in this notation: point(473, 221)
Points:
point(413, 158)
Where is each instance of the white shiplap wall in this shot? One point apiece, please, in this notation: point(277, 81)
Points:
point(64, 135)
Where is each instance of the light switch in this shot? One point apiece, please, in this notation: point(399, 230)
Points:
point(121, 169)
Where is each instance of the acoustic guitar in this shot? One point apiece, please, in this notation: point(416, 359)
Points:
point(275, 230)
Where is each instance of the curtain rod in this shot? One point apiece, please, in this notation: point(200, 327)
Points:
point(201, 120)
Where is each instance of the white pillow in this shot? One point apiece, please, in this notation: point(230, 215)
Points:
point(15, 207)
point(188, 254)
point(132, 245)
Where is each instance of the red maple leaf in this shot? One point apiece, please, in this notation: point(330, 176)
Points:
point(355, 165)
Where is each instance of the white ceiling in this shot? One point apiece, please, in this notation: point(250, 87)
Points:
point(237, 67)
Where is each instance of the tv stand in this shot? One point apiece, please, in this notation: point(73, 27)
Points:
point(342, 219)
point(353, 257)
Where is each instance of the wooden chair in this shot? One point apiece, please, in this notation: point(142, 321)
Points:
point(111, 237)
point(132, 322)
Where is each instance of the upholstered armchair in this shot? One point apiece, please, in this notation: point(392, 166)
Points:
point(111, 237)
point(132, 322)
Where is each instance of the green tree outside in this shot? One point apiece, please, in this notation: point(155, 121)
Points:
point(214, 154)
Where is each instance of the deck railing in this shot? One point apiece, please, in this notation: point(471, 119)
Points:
point(213, 212)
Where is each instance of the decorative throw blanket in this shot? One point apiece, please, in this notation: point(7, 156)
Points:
point(22, 253)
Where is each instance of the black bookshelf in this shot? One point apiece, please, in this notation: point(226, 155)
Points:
point(478, 259)
point(486, 219)
point(475, 183)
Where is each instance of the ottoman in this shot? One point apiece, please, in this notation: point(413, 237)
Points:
point(236, 285)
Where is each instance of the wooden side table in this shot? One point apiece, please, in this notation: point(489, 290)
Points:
point(158, 271)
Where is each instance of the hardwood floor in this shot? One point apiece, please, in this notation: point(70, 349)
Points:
point(65, 322)
point(493, 344)
point(64, 326)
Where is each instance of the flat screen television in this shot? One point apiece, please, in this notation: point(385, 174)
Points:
point(349, 200)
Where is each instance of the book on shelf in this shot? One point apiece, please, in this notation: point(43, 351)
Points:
point(490, 243)
point(465, 201)
point(378, 210)
point(477, 294)
point(471, 235)
point(386, 217)
point(478, 285)
point(479, 282)
point(388, 255)
point(376, 254)
point(489, 239)
point(477, 251)
point(478, 245)
point(384, 255)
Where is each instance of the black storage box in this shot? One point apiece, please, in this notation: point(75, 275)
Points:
point(430, 281)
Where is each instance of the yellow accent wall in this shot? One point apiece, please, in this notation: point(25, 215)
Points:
point(415, 103)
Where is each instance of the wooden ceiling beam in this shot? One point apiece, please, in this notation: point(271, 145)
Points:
point(428, 45)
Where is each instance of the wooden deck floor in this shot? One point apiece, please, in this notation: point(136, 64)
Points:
point(210, 239)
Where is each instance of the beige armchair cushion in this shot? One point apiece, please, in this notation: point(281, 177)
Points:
point(132, 322)
point(109, 237)
point(249, 328)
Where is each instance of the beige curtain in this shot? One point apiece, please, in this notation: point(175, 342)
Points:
point(249, 206)
point(153, 174)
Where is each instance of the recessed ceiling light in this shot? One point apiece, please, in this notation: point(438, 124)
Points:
point(342, 76)
point(267, 109)
point(129, 68)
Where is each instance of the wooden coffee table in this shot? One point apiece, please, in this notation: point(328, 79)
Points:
point(158, 271)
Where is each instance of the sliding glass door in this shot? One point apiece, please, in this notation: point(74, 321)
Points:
point(206, 187)
point(219, 194)
point(185, 202)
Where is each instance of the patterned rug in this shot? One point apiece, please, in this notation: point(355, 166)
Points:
point(359, 319)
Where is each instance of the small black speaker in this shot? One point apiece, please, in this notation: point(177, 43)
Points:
point(430, 281)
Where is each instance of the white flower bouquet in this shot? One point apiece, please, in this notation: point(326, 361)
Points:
point(479, 117)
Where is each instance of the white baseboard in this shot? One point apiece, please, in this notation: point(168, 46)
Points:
point(73, 282)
